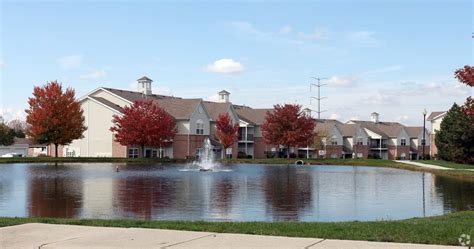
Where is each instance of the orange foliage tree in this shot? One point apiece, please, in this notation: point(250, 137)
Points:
point(289, 126)
point(55, 117)
point(144, 124)
point(226, 132)
point(466, 76)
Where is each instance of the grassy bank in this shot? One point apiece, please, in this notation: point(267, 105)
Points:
point(447, 164)
point(441, 230)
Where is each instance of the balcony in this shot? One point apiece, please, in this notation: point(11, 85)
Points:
point(374, 145)
point(249, 138)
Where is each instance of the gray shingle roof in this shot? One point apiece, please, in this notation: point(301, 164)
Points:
point(215, 108)
point(253, 116)
point(107, 103)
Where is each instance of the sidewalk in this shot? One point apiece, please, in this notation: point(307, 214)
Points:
point(44, 236)
point(428, 166)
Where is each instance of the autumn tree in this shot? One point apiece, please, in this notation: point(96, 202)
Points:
point(465, 75)
point(7, 135)
point(287, 125)
point(144, 124)
point(55, 117)
point(226, 132)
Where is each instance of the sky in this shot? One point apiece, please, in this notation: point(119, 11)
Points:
point(396, 58)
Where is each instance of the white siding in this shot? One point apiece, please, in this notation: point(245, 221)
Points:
point(97, 141)
point(200, 114)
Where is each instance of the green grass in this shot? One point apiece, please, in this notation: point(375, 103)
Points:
point(441, 230)
point(447, 164)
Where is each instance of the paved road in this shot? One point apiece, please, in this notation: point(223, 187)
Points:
point(47, 236)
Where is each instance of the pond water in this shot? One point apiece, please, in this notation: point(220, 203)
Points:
point(240, 192)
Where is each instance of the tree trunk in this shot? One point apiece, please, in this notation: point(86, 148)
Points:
point(143, 150)
point(55, 150)
point(288, 152)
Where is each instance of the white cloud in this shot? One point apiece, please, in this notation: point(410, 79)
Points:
point(214, 97)
point(341, 81)
point(381, 99)
point(363, 38)
point(354, 118)
point(94, 74)
point(285, 30)
point(227, 66)
point(70, 62)
point(247, 27)
point(335, 116)
point(9, 114)
point(402, 118)
point(412, 88)
point(161, 90)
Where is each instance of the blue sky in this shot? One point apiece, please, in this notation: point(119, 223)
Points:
point(393, 57)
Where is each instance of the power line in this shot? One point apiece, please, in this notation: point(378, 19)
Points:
point(319, 98)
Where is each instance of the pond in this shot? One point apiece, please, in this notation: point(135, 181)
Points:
point(240, 192)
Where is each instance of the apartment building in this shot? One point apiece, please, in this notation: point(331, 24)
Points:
point(435, 119)
point(196, 119)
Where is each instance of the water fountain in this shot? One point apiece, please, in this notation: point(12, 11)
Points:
point(206, 157)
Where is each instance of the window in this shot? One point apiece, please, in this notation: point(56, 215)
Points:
point(360, 155)
point(199, 127)
point(334, 156)
point(403, 142)
point(133, 152)
point(403, 156)
point(334, 142)
point(360, 141)
point(423, 142)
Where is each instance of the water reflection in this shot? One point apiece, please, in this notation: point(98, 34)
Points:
point(248, 192)
point(54, 191)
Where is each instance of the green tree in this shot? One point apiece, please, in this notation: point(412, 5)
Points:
point(455, 139)
point(7, 135)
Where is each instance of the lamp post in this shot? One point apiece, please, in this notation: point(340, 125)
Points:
point(423, 142)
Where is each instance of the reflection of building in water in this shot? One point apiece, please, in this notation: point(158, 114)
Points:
point(97, 198)
point(54, 191)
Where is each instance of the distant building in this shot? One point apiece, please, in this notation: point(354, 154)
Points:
point(435, 119)
point(19, 148)
point(196, 120)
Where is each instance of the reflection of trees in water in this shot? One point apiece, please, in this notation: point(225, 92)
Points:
point(54, 191)
point(457, 195)
point(223, 190)
point(287, 191)
point(141, 196)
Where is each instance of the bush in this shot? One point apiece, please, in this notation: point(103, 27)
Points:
point(241, 154)
point(292, 155)
point(249, 156)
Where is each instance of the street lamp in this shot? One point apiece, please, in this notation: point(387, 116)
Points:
point(423, 142)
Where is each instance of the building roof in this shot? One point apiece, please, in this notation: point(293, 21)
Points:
point(224, 92)
point(145, 78)
point(107, 103)
point(414, 131)
point(252, 116)
point(433, 115)
point(348, 130)
point(387, 129)
point(179, 108)
point(135, 96)
point(215, 108)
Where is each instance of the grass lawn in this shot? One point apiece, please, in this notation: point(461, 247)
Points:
point(441, 230)
point(447, 164)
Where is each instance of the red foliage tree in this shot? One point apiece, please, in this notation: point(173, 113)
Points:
point(226, 132)
point(55, 117)
point(144, 124)
point(465, 75)
point(287, 125)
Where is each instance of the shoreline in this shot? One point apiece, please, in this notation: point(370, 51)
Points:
point(436, 230)
point(454, 173)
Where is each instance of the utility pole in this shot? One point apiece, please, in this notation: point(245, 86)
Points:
point(319, 98)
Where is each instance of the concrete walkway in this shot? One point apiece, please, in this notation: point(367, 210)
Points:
point(35, 235)
point(428, 166)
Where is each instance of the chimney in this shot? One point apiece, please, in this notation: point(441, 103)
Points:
point(224, 96)
point(374, 117)
point(144, 85)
